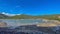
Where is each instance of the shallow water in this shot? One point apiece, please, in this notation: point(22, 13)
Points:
point(15, 22)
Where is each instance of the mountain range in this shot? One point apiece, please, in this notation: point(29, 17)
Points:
point(25, 16)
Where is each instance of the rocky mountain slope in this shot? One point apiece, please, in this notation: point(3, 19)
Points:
point(2, 16)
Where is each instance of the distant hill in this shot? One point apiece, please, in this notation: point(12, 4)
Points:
point(24, 16)
point(50, 16)
point(2, 16)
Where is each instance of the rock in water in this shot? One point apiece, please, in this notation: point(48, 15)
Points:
point(3, 24)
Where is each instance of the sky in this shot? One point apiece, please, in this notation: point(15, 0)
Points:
point(30, 7)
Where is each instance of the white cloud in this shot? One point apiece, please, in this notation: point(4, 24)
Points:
point(9, 14)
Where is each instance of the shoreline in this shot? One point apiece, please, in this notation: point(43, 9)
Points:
point(46, 23)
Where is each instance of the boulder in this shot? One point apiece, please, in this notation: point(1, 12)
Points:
point(3, 24)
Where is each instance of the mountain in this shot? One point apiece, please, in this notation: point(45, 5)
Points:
point(22, 16)
point(25, 16)
point(2, 16)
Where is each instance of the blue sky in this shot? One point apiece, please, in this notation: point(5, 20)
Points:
point(31, 7)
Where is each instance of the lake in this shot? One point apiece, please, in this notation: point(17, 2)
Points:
point(17, 22)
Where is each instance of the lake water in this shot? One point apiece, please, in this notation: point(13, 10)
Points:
point(16, 22)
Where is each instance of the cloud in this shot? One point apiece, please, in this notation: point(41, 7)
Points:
point(9, 14)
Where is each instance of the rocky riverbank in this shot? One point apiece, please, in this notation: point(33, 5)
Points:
point(30, 29)
point(48, 27)
point(49, 23)
point(3, 24)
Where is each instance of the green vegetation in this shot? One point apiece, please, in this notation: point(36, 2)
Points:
point(24, 16)
point(50, 17)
